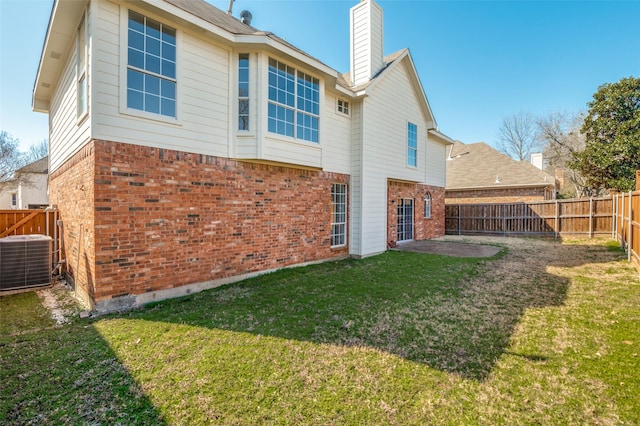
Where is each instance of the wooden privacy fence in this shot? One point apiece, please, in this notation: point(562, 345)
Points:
point(28, 222)
point(579, 217)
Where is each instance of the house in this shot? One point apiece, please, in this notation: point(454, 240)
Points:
point(28, 188)
point(189, 149)
point(477, 173)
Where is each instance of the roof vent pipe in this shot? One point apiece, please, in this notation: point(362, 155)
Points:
point(230, 9)
point(245, 17)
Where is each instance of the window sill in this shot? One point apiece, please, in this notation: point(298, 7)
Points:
point(151, 116)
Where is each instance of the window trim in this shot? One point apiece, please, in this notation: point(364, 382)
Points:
point(334, 213)
point(410, 148)
point(124, 45)
point(82, 57)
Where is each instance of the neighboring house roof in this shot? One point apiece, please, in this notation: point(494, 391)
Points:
point(478, 166)
point(38, 166)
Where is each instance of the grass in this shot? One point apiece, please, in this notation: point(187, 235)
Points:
point(23, 312)
point(545, 333)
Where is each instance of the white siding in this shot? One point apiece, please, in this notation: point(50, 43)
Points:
point(436, 172)
point(335, 137)
point(367, 51)
point(355, 188)
point(202, 94)
point(66, 134)
point(392, 104)
point(291, 152)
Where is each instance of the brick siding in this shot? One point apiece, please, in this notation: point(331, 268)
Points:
point(71, 188)
point(157, 219)
point(423, 228)
point(505, 195)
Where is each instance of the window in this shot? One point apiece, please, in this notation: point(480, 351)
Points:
point(339, 214)
point(81, 68)
point(343, 107)
point(151, 66)
point(14, 199)
point(243, 91)
point(294, 102)
point(412, 145)
point(427, 206)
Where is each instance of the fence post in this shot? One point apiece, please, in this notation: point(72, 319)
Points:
point(459, 230)
point(630, 229)
point(614, 212)
point(556, 222)
point(590, 217)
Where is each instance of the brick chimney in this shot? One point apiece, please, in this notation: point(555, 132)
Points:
point(367, 36)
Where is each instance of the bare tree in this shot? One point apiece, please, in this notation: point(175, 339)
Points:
point(560, 135)
point(517, 136)
point(11, 158)
point(37, 151)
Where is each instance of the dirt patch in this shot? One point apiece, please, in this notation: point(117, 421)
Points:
point(450, 248)
point(60, 302)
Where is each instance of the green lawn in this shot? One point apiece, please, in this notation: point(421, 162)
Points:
point(544, 333)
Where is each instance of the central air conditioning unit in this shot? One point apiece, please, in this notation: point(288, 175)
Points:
point(25, 261)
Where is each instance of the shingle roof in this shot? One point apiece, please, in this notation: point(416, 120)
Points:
point(38, 166)
point(227, 22)
point(478, 166)
point(214, 16)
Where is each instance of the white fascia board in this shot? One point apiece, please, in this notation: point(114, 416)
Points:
point(259, 39)
point(188, 17)
point(440, 137)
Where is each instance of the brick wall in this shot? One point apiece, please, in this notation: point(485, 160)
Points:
point(165, 219)
point(423, 228)
point(71, 188)
point(505, 195)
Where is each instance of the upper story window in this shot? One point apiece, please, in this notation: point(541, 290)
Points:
point(243, 91)
point(14, 199)
point(294, 102)
point(343, 107)
point(412, 145)
point(151, 66)
point(81, 68)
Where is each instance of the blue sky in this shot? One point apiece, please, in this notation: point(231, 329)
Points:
point(479, 61)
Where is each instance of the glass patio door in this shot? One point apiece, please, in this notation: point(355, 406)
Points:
point(405, 219)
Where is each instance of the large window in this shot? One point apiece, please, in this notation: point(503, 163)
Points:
point(339, 214)
point(294, 102)
point(412, 145)
point(151, 66)
point(81, 68)
point(243, 91)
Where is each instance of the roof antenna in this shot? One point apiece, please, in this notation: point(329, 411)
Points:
point(230, 10)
